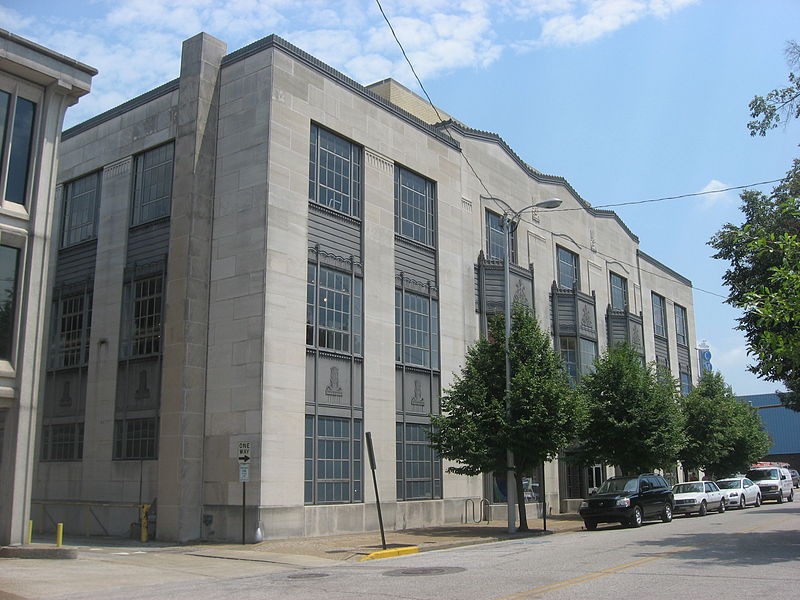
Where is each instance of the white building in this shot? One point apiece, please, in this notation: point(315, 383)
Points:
point(263, 251)
point(36, 87)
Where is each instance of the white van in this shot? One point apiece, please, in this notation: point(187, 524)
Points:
point(775, 483)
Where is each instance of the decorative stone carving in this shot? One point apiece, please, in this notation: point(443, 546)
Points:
point(417, 399)
point(333, 389)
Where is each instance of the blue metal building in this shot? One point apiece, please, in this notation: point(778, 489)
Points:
point(783, 426)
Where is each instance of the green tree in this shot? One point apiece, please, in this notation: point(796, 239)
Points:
point(784, 103)
point(764, 253)
point(475, 429)
point(634, 419)
point(764, 281)
point(723, 434)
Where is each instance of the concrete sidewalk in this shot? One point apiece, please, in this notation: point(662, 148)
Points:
point(304, 552)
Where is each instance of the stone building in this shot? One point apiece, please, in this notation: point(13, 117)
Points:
point(36, 87)
point(265, 257)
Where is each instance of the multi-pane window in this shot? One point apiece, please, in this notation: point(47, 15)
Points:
point(334, 310)
point(496, 238)
point(416, 330)
point(333, 462)
point(685, 381)
point(567, 269)
point(588, 355)
point(659, 316)
point(414, 207)
point(80, 210)
point(681, 327)
point(141, 325)
point(71, 329)
point(569, 354)
point(9, 261)
point(17, 117)
point(135, 439)
point(335, 172)
point(62, 442)
point(419, 467)
point(152, 191)
point(619, 292)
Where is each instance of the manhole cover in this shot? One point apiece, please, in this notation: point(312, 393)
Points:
point(423, 571)
point(307, 575)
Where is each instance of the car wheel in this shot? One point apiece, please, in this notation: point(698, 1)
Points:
point(636, 519)
point(722, 507)
point(780, 497)
point(590, 525)
point(703, 509)
point(666, 514)
point(742, 502)
point(758, 500)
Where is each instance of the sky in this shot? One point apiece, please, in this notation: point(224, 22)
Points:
point(629, 100)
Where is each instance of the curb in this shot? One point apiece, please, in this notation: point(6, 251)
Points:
point(38, 552)
point(391, 553)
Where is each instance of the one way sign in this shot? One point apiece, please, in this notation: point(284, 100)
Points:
point(244, 452)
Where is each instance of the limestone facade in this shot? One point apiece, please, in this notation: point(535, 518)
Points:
point(283, 260)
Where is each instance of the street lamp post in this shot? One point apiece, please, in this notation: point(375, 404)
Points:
point(509, 222)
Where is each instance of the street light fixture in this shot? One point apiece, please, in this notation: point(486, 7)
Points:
point(509, 222)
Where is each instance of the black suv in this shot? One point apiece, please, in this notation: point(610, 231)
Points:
point(629, 501)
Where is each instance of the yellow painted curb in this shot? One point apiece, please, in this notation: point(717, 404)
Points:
point(391, 553)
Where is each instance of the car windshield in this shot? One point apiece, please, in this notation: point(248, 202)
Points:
point(761, 474)
point(729, 484)
point(688, 488)
point(620, 484)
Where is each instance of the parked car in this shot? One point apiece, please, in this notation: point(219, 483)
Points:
point(698, 497)
point(795, 477)
point(628, 501)
point(775, 483)
point(740, 491)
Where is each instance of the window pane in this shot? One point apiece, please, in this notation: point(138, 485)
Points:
point(570, 357)
point(414, 207)
point(567, 269)
point(335, 172)
point(80, 209)
point(659, 316)
point(681, 329)
point(9, 259)
point(619, 292)
point(496, 238)
point(588, 355)
point(20, 156)
point(153, 187)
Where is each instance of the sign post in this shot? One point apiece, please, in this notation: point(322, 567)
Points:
point(244, 477)
point(371, 453)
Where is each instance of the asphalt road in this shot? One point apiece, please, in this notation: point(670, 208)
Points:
point(741, 554)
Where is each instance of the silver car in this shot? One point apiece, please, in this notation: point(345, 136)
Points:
point(740, 492)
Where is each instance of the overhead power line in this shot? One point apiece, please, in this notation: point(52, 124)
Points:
point(630, 203)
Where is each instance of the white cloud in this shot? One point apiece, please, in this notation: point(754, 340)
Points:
point(714, 197)
point(136, 44)
point(588, 20)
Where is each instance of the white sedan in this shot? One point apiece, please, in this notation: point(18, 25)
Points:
point(698, 497)
point(740, 491)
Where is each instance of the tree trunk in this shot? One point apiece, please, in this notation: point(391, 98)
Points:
point(523, 516)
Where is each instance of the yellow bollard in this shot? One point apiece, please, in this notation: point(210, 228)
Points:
point(30, 532)
point(59, 534)
point(143, 534)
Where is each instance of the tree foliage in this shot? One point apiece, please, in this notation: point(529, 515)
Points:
point(764, 254)
point(783, 103)
point(764, 281)
point(545, 414)
point(723, 434)
point(634, 420)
